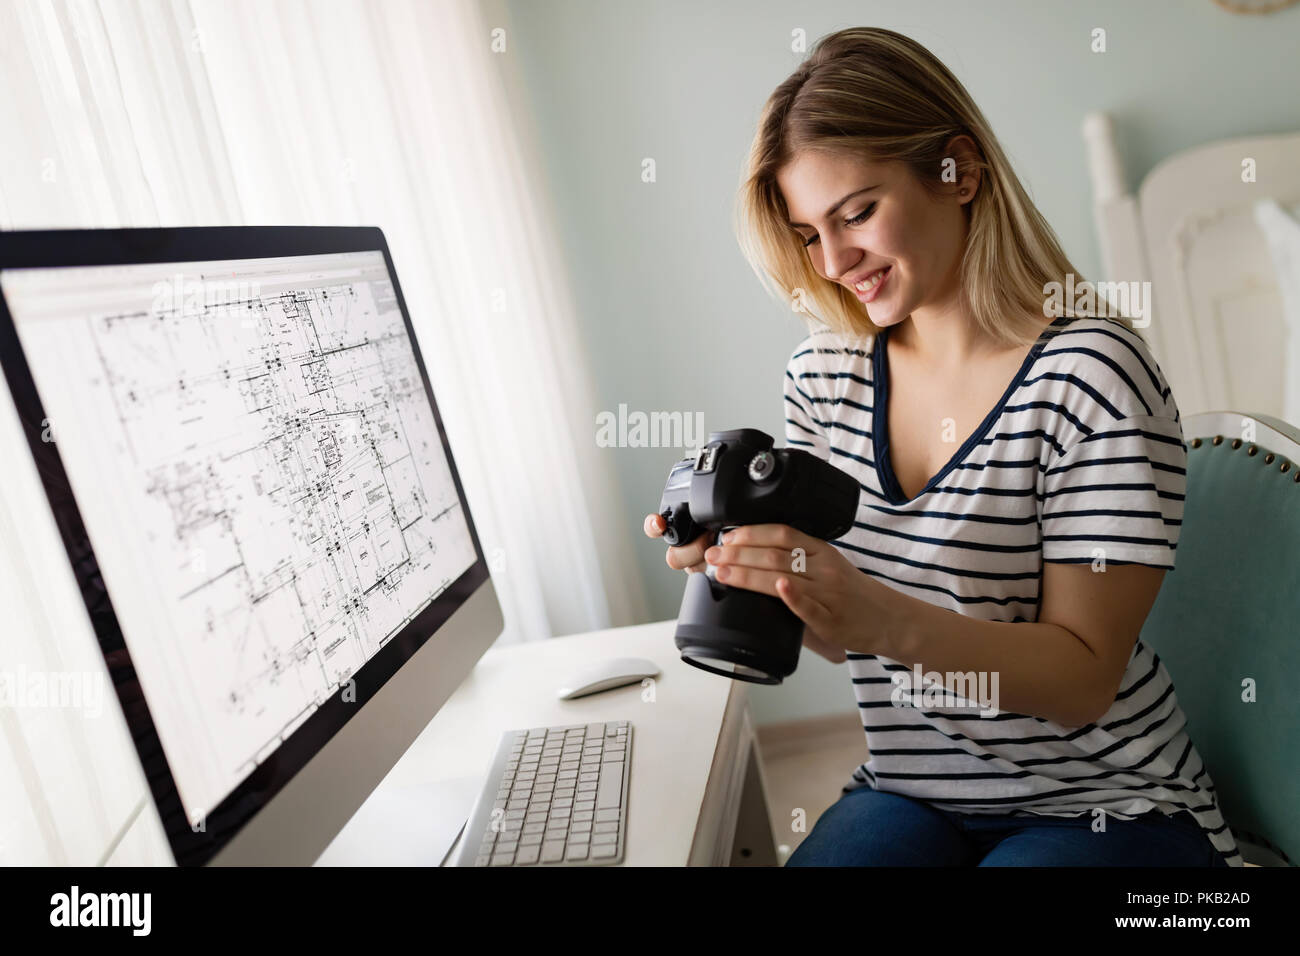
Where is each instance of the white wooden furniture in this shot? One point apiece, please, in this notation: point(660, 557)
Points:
point(697, 791)
point(1217, 327)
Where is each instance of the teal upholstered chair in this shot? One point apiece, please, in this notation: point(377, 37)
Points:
point(1229, 611)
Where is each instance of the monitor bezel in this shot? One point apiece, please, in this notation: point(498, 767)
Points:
point(54, 249)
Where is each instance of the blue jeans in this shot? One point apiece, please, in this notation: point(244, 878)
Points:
point(868, 827)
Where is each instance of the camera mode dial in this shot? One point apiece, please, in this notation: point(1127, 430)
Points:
point(762, 466)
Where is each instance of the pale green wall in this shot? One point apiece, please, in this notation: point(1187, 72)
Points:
point(672, 315)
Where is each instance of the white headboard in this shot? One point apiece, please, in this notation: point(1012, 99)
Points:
point(1217, 324)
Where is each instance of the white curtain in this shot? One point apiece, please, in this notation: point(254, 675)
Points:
point(396, 113)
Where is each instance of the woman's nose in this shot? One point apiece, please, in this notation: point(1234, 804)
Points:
point(839, 258)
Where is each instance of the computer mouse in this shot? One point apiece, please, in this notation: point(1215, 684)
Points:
point(607, 674)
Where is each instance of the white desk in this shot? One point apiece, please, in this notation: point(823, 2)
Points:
point(697, 794)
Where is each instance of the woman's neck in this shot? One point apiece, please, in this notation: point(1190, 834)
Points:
point(943, 342)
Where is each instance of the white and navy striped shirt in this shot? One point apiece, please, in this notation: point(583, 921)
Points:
point(1083, 455)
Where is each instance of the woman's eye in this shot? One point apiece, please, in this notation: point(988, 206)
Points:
point(859, 218)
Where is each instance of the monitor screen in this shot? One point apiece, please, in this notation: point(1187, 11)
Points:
point(256, 458)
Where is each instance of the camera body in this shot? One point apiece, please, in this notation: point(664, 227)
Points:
point(738, 478)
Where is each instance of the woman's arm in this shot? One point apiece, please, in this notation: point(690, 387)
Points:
point(1066, 667)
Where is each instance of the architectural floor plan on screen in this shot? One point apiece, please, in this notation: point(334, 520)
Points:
point(280, 453)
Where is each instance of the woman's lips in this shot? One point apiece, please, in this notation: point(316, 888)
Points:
point(874, 291)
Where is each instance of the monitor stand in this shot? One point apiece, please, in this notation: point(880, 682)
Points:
point(405, 824)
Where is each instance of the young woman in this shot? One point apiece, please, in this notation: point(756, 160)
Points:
point(1022, 490)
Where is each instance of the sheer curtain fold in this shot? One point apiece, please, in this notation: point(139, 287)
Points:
point(211, 112)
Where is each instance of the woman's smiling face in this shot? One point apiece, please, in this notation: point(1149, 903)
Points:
point(857, 218)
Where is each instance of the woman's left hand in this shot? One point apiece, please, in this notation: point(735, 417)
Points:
point(842, 605)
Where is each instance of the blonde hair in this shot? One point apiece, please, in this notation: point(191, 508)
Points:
point(874, 94)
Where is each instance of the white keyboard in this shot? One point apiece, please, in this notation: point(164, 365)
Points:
point(555, 796)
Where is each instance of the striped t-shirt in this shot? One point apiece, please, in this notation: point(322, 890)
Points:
point(1083, 454)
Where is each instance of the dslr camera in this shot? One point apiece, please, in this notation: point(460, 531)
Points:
point(738, 478)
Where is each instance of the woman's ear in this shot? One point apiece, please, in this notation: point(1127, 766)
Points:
point(961, 176)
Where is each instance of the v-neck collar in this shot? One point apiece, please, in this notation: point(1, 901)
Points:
point(880, 415)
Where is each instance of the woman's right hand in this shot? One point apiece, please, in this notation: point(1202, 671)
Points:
point(685, 556)
point(691, 557)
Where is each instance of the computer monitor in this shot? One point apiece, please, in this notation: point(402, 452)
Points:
point(238, 438)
